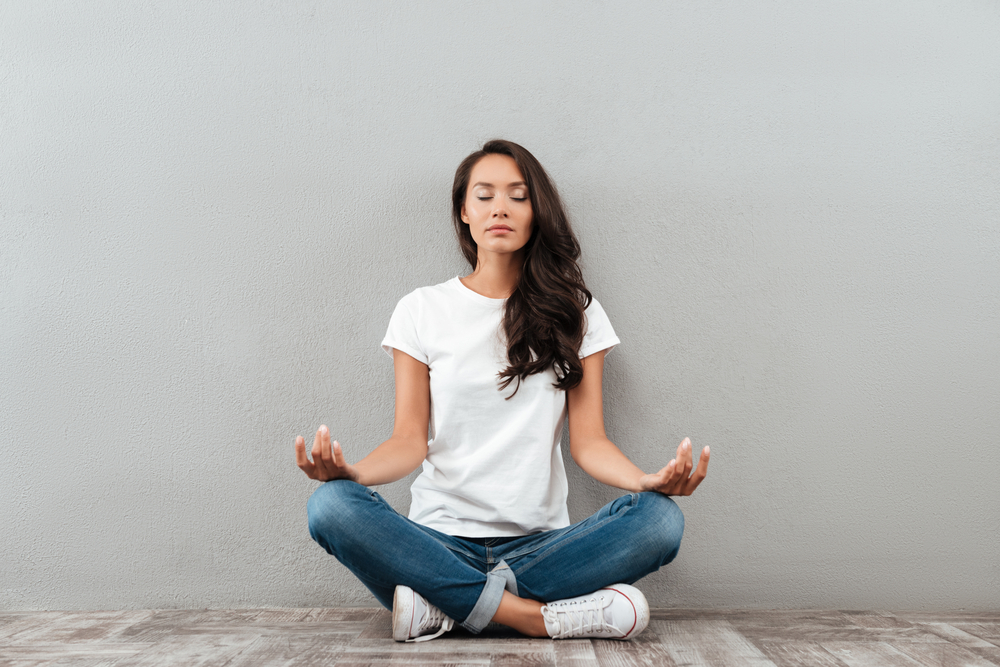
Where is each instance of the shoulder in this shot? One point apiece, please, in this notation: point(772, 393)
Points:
point(431, 294)
point(595, 315)
point(598, 334)
point(595, 307)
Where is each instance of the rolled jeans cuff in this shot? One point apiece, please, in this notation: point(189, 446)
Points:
point(487, 605)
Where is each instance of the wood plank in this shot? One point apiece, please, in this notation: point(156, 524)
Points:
point(611, 653)
point(876, 619)
point(643, 649)
point(362, 636)
point(715, 643)
point(76, 661)
point(285, 651)
point(949, 617)
point(13, 623)
point(987, 631)
point(351, 614)
point(376, 659)
point(191, 650)
point(691, 614)
point(542, 658)
point(943, 655)
point(574, 653)
point(395, 661)
point(49, 651)
point(798, 653)
point(869, 654)
point(955, 635)
point(162, 623)
point(444, 644)
point(835, 627)
point(347, 631)
point(992, 654)
point(778, 627)
point(379, 626)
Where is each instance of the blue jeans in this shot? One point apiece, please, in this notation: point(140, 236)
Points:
point(465, 577)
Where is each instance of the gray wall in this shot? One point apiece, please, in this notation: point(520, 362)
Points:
point(789, 210)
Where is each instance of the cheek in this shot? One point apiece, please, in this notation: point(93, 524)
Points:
point(477, 211)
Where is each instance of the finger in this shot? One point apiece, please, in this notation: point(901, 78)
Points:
point(338, 456)
point(301, 460)
point(699, 474)
point(684, 456)
point(300, 451)
point(317, 453)
point(669, 478)
point(656, 480)
point(688, 463)
point(677, 475)
point(326, 452)
point(702, 470)
point(317, 448)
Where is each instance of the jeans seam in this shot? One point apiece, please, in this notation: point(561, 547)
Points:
point(464, 554)
point(578, 536)
point(520, 553)
point(525, 551)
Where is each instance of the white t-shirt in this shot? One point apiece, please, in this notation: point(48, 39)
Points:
point(494, 467)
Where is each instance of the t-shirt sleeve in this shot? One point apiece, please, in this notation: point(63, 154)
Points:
point(600, 334)
point(402, 333)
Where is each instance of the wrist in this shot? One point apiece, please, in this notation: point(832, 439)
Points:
point(637, 486)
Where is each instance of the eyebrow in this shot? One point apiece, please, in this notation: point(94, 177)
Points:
point(490, 185)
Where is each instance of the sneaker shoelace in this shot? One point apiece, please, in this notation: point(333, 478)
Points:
point(433, 618)
point(579, 617)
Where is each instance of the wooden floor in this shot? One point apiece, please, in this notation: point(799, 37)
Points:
point(327, 637)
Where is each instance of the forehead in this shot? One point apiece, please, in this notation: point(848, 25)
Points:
point(495, 169)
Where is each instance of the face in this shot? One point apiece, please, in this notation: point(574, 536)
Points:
point(497, 208)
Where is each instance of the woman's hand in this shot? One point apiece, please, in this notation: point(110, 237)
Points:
point(328, 460)
point(674, 479)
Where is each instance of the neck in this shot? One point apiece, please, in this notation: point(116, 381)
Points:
point(495, 276)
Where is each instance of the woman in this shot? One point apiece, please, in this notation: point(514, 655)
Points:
point(494, 363)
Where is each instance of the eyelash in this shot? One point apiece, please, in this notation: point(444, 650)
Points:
point(514, 198)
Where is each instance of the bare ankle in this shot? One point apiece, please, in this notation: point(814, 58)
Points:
point(522, 615)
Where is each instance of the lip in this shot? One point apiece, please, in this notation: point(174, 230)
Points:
point(500, 229)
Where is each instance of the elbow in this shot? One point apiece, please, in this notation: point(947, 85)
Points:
point(578, 450)
point(418, 445)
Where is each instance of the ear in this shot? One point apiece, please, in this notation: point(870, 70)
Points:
point(465, 217)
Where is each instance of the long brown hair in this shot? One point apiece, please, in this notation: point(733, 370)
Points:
point(543, 318)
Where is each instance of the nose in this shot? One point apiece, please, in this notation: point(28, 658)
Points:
point(499, 207)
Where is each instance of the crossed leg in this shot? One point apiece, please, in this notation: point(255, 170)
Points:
point(622, 542)
point(625, 540)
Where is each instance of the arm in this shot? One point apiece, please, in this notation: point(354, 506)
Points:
point(406, 449)
point(395, 458)
point(602, 460)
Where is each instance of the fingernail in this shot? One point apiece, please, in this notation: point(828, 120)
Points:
point(322, 429)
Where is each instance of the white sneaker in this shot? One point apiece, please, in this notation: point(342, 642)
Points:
point(413, 618)
point(615, 612)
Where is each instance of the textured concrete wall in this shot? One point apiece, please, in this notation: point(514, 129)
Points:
point(789, 211)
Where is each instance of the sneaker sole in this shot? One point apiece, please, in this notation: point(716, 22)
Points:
point(402, 612)
point(639, 604)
